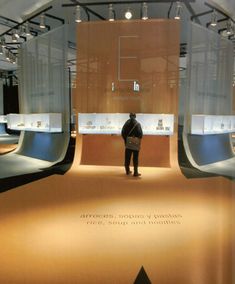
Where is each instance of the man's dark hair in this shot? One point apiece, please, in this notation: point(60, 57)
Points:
point(132, 115)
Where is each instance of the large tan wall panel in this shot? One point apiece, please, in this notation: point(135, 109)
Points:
point(111, 56)
point(120, 53)
point(109, 150)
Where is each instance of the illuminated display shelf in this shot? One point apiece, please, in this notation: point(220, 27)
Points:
point(40, 122)
point(112, 123)
point(3, 119)
point(212, 124)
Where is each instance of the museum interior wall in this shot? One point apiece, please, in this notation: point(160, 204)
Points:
point(234, 99)
point(208, 100)
point(8, 103)
point(111, 58)
point(43, 119)
point(1, 97)
point(44, 89)
point(97, 225)
point(2, 127)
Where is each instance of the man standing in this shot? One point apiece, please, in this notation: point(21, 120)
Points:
point(132, 129)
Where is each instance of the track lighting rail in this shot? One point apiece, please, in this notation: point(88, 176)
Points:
point(219, 11)
point(20, 24)
point(75, 3)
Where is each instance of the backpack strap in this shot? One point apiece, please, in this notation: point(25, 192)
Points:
point(132, 129)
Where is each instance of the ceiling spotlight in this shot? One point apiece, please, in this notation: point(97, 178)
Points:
point(229, 27)
point(27, 30)
point(144, 11)
point(3, 41)
point(78, 14)
point(213, 19)
point(42, 21)
point(15, 36)
point(178, 10)
point(21, 30)
point(12, 58)
point(7, 54)
point(1, 49)
point(111, 13)
point(128, 14)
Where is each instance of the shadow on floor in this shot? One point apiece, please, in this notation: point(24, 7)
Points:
point(59, 169)
point(188, 170)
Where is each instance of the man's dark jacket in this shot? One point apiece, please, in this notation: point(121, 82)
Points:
point(136, 132)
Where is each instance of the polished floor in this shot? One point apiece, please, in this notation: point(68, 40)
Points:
point(8, 139)
point(6, 148)
point(96, 225)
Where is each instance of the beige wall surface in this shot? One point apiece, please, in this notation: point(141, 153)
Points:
point(109, 150)
point(124, 52)
point(110, 57)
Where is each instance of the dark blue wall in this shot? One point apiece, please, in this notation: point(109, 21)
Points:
point(207, 149)
point(45, 146)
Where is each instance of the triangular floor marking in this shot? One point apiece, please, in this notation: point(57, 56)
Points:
point(142, 277)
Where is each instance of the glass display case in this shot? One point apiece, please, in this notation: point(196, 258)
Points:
point(212, 124)
point(3, 119)
point(112, 123)
point(40, 122)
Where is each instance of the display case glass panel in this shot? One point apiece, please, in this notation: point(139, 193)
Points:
point(112, 123)
point(212, 124)
point(3, 119)
point(41, 122)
